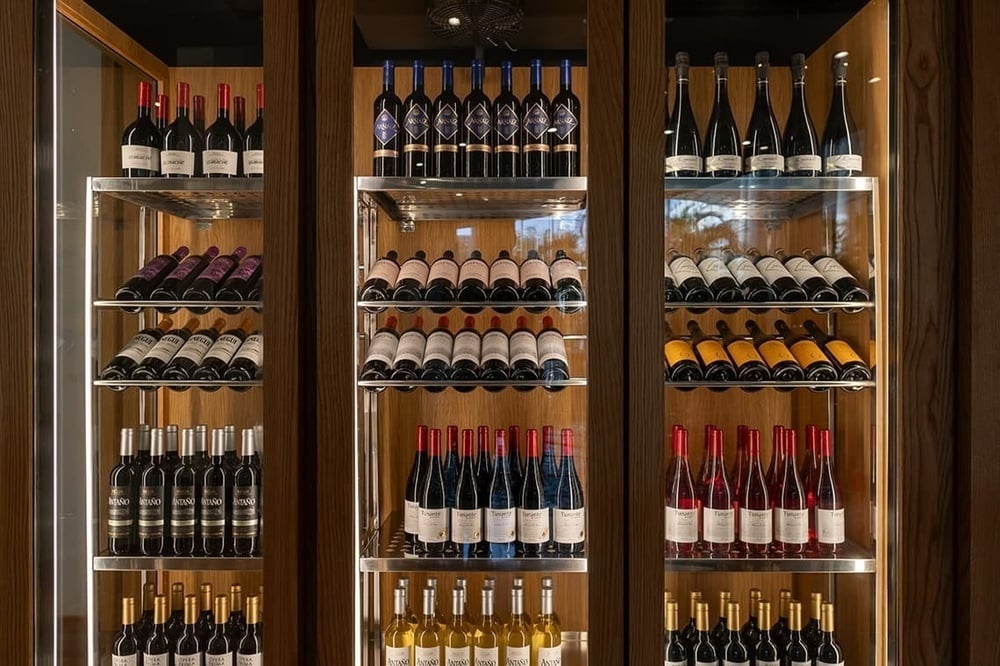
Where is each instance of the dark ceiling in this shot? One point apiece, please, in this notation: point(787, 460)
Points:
point(229, 33)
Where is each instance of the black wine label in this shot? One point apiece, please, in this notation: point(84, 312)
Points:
point(416, 123)
point(565, 122)
point(478, 121)
point(213, 512)
point(245, 511)
point(507, 122)
point(151, 512)
point(119, 513)
point(446, 122)
point(182, 512)
point(385, 128)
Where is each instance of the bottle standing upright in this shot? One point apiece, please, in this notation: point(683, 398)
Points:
point(141, 141)
point(253, 141)
point(476, 147)
point(762, 149)
point(801, 147)
point(722, 140)
point(417, 127)
point(385, 128)
point(507, 118)
point(223, 143)
point(535, 123)
point(683, 153)
point(447, 120)
point(566, 121)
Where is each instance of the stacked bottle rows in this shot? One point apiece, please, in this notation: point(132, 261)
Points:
point(795, 357)
point(184, 148)
point(789, 511)
point(209, 276)
point(441, 356)
point(475, 281)
point(755, 278)
point(185, 354)
point(476, 137)
point(186, 502)
point(756, 641)
point(431, 639)
point(763, 152)
point(477, 507)
point(217, 634)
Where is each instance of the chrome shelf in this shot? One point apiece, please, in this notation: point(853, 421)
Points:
point(452, 383)
point(190, 198)
point(175, 384)
point(413, 199)
point(154, 563)
point(112, 304)
point(816, 386)
point(852, 559)
point(383, 551)
point(451, 305)
point(773, 305)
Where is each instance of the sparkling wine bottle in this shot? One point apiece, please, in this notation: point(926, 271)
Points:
point(720, 281)
point(388, 115)
point(182, 143)
point(762, 149)
point(846, 285)
point(413, 491)
point(569, 518)
point(507, 118)
point(722, 140)
point(683, 153)
point(756, 516)
point(671, 294)
point(753, 287)
point(535, 124)
point(801, 147)
point(565, 160)
point(810, 279)
point(688, 278)
point(253, 141)
point(718, 520)
point(448, 118)
point(476, 146)
point(417, 128)
point(781, 281)
point(141, 141)
point(378, 286)
point(842, 153)
point(223, 143)
point(433, 502)
point(681, 526)
point(501, 515)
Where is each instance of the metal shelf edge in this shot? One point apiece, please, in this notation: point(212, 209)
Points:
point(110, 303)
point(772, 384)
point(166, 563)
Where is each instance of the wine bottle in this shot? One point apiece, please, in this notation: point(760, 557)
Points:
point(811, 280)
point(182, 143)
point(671, 294)
point(386, 139)
point(398, 635)
point(495, 355)
point(734, 651)
point(473, 277)
point(766, 653)
point(846, 285)
point(689, 635)
point(378, 286)
point(718, 519)
point(829, 512)
point(762, 150)
point(848, 364)
point(750, 367)
point(184, 500)
point(223, 143)
point(683, 153)
point(141, 141)
point(160, 355)
point(215, 494)
point(173, 286)
point(144, 626)
point(523, 355)
point(171, 459)
point(154, 497)
point(546, 638)
point(416, 128)
point(504, 282)
point(441, 281)
point(812, 636)
point(447, 121)
point(550, 467)
point(125, 648)
point(381, 353)
point(253, 141)
point(188, 649)
point(779, 632)
point(675, 652)
point(801, 147)
point(829, 651)
point(516, 637)
point(237, 622)
point(569, 518)
point(688, 278)
point(681, 512)
point(206, 285)
point(467, 511)
point(681, 363)
point(756, 516)
point(487, 636)
point(437, 356)
point(186, 361)
point(241, 280)
point(566, 283)
point(533, 512)
point(206, 619)
point(433, 519)
point(198, 114)
point(791, 507)
point(754, 287)
point(484, 467)
point(412, 280)
point(218, 649)
point(722, 140)
point(406, 365)
point(780, 362)
point(713, 357)
point(248, 363)
point(140, 286)
point(465, 357)
point(535, 123)
point(815, 364)
point(552, 359)
point(841, 142)
point(501, 515)
point(796, 652)
point(703, 650)
point(784, 285)
point(414, 490)
point(427, 637)
point(456, 641)
point(535, 283)
point(720, 281)
point(156, 651)
point(217, 359)
point(514, 459)
point(240, 114)
point(750, 631)
point(777, 465)
point(565, 161)
point(245, 509)
point(477, 131)
point(232, 461)
point(719, 635)
point(507, 117)
point(123, 493)
point(250, 651)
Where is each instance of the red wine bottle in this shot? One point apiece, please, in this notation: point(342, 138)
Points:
point(504, 282)
point(683, 153)
point(217, 359)
point(123, 499)
point(466, 355)
point(484, 467)
point(688, 278)
point(417, 128)
point(779, 632)
point(125, 648)
point(507, 117)
point(238, 285)
point(734, 650)
point(766, 652)
point(218, 650)
point(689, 635)
point(718, 519)
point(467, 513)
point(476, 145)
point(381, 279)
point(722, 140)
point(811, 280)
point(237, 622)
point(718, 367)
point(240, 114)
point(140, 286)
point(842, 153)
point(161, 113)
point(188, 649)
point(801, 147)
point(253, 141)
point(791, 505)
point(495, 355)
point(184, 363)
point(248, 363)
point(144, 625)
point(160, 355)
point(409, 357)
point(198, 114)
point(550, 468)
point(141, 141)
point(680, 362)
point(256, 294)
point(535, 123)
point(412, 280)
point(814, 362)
point(566, 110)
point(223, 144)
point(720, 632)
point(568, 513)
point(750, 367)
point(703, 650)
point(130, 356)
point(501, 511)
point(784, 285)
point(552, 359)
point(206, 619)
point(412, 492)
point(442, 281)
point(433, 507)
point(447, 111)
point(829, 509)
point(566, 283)
point(523, 355)
point(437, 356)
point(762, 148)
point(156, 651)
point(829, 652)
point(796, 652)
point(154, 498)
point(388, 114)
point(535, 282)
point(206, 285)
point(172, 287)
point(780, 361)
point(184, 499)
point(532, 512)
point(473, 279)
point(381, 352)
point(245, 509)
point(215, 498)
point(756, 516)
point(514, 459)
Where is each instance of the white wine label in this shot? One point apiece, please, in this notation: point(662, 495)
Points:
point(397, 656)
point(383, 348)
point(224, 348)
point(768, 663)
point(772, 269)
point(165, 349)
point(723, 163)
point(681, 525)
point(551, 347)
point(550, 656)
point(195, 348)
point(727, 662)
point(467, 344)
point(466, 525)
point(445, 269)
point(384, 269)
point(474, 269)
point(743, 269)
point(212, 516)
point(151, 512)
point(799, 663)
point(426, 656)
point(177, 163)
point(569, 525)
point(804, 163)
point(712, 268)
point(517, 656)
point(830, 526)
point(245, 512)
point(523, 347)
point(457, 656)
point(534, 269)
point(756, 526)
point(670, 662)
point(563, 269)
point(792, 525)
point(675, 163)
point(684, 268)
point(139, 346)
point(182, 512)
point(718, 525)
point(533, 525)
point(439, 344)
point(119, 512)
point(155, 659)
point(504, 269)
point(411, 347)
point(187, 659)
point(433, 525)
point(565, 121)
point(821, 662)
point(411, 517)
point(253, 162)
point(765, 163)
point(487, 656)
point(141, 157)
point(496, 347)
point(501, 525)
point(831, 269)
point(125, 660)
point(219, 659)
point(842, 163)
point(247, 660)
point(252, 349)
point(801, 269)
point(220, 162)
point(414, 269)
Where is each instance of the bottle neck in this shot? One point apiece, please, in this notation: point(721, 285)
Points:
point(722, 91)
point(799, 94)
point(763, 92)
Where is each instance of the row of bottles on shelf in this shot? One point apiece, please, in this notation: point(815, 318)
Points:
point(182, 276)
point(431, 639)
point(476, 137)
point(754, 278)
point(184, 148)
point(521, 355)
point(188, 501)
point(477, 507)
point(475, 281)
point(795, 357)
point(216, 634)
point(745, 511)
point(763, 152)
point(185, 354)
point(786, 642)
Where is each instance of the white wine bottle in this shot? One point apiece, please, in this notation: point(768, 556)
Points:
point(486, 642)
point(426, 639)
point(546, 639)
point(515, 642)
point(456, 640)
point(399, 634)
